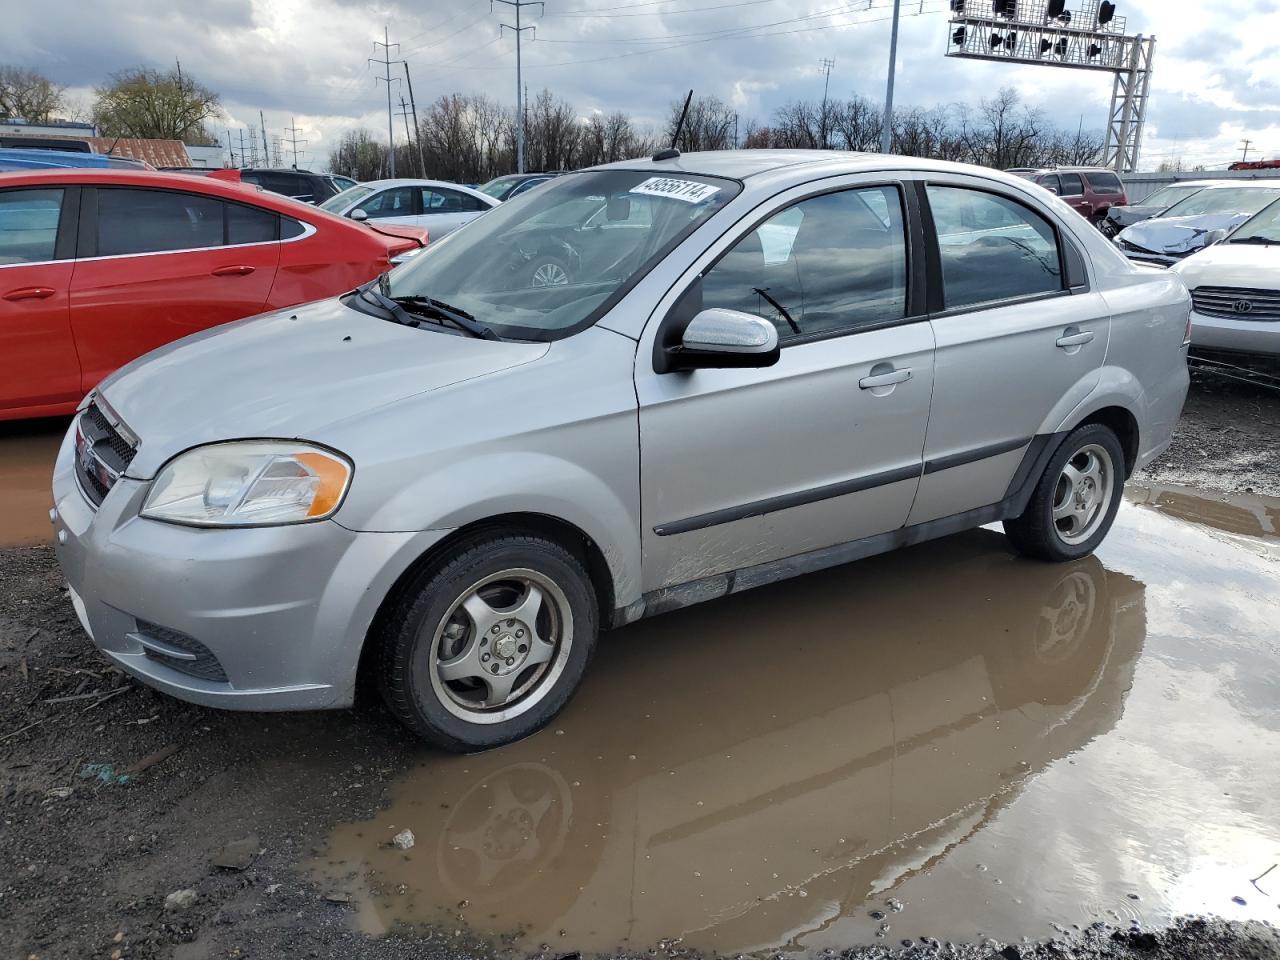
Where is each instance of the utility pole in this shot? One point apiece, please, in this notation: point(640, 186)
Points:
point(231, 150)
point(886, 134)
point(417, 131)
point(1244, 158)
point(293, 140)
point(404, 112)
point(519, 5)
point(242, 156)
point(826, 63)
point(386, 62)
point(266, 147)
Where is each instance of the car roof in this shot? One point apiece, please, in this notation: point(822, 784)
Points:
point(97, 176)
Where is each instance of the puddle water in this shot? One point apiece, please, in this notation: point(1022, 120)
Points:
point(947, 741)
point(27, 452)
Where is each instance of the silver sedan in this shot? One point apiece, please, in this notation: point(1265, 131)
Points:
point(748, 366)
point(439, 206)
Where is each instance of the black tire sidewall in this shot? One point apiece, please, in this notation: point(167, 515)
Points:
point(407, 684)
point(1042, 499)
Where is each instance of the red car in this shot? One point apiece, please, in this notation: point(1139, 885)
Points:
point(1090, 191)
point(98, 267)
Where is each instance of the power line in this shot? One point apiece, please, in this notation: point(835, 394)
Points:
point(386, 62)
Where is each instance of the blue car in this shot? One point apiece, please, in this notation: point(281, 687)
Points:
point(19, 158)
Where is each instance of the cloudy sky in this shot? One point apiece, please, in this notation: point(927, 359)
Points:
point(1217, 76)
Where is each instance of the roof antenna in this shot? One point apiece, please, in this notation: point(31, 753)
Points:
point(672, 152)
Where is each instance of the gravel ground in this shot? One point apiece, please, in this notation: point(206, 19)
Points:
point(115, 797)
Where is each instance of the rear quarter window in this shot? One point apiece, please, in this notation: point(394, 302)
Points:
point(1107, 183)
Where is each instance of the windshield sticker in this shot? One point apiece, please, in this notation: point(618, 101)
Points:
point(690, 191)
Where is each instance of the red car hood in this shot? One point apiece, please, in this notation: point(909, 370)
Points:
point(418, 235)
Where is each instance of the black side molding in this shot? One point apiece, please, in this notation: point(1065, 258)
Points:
point(974, 455)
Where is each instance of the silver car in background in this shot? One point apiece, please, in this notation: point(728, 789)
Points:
point(753, 365)
point(438, 206)
point(1196, 222)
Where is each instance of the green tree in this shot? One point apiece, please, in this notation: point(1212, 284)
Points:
point(28, 95)
point(147, 103)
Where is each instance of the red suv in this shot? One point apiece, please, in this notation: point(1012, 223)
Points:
point(1091, 191)
point(98, 267)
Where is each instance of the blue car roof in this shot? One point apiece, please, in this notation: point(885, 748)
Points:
point(18, 158)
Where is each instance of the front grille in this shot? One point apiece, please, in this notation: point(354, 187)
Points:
point(155, 639)
point(1237, 303)
point(103, 452)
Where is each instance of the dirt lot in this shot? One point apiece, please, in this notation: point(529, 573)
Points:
point(118, 800)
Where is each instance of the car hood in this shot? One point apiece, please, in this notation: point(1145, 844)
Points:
point(1253, 266)
point(1133, 213)
point(1178, 235)
point(289, 375)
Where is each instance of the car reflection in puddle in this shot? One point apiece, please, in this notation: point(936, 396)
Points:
point(745, 772)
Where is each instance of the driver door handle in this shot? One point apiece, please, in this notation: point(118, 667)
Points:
point(239, 270)
point(1075, 339)
point(30, 293)
point(885, 379)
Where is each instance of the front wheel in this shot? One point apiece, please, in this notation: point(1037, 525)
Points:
point(1076, 499)
point(489, 646)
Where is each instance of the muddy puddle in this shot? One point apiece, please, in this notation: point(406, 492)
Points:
point(27, 452)
point(945, 742)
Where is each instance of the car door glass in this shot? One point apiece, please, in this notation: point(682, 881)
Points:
point(1051, 184)
point(29, 225)
point(396, 202)
point(150, 221)
point(1103, 182)
point(992, 248)
point(250, 225)
point(828, 264)
point(1072, 185)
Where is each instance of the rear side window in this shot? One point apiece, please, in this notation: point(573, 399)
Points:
point(992, 248)
point(29, 225)
point(1103, 182)
point(829, 264)
point(290, 228)
point(1072, 185)
point(250, 225)
point(149, 221)
point(449, 201)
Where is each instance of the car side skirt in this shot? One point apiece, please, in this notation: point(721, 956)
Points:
point(1039, 450)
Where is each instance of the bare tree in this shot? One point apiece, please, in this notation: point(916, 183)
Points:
point(28, 95)
point(711, 124)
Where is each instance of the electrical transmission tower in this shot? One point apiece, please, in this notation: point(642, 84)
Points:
point(293, 140)
point(386, 62)
point(519, 5)
point(826, 63)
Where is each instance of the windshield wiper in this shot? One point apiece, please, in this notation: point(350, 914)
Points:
point(1254, 239)
point(371, 294)
point(459, 318)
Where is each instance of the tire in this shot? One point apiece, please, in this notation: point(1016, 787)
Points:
point(520, 606)
point(1062, 521)
point(544, 271)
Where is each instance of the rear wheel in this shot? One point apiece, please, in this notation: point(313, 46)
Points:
point(548, 272)
point(1076, 499)
point(488, 647)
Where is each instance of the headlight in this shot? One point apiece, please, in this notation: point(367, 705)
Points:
point(249, 483)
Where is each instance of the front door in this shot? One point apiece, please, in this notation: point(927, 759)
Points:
point(40, 363)
point(741, 467)
point(1020, 342)
point(157, 269)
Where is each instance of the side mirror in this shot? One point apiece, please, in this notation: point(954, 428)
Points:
point(358, 214)
point(725, 338)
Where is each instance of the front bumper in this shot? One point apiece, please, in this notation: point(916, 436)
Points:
point(284, 610)
point(1238, 336)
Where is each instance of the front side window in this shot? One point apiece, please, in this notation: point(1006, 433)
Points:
point(1072, 185)
point(1051, 183)
point(831, 263)
point(992, 248)
point(150, 221)
point(29, 225)
point(396, 202)
point(551, 262)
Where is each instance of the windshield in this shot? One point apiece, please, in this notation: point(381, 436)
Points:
point(1264, 228)
point(550, 262)
point(1168, 196)
point(499, 188)
point(339, 202)
point(1228, 201)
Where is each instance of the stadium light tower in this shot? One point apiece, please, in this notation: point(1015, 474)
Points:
point(1045, 33)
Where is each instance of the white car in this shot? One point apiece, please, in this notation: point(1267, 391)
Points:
point(1235, 288)
point(440, 207)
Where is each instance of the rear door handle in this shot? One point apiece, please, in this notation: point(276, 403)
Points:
point(30, 293)
point(240, 270)
point(885, 379)
point(1075, 339)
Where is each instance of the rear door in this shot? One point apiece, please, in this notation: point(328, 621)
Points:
point(37, 240)
point(1073, 193)
point(445, 210)
point(1020, 336)
point(157, 265)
